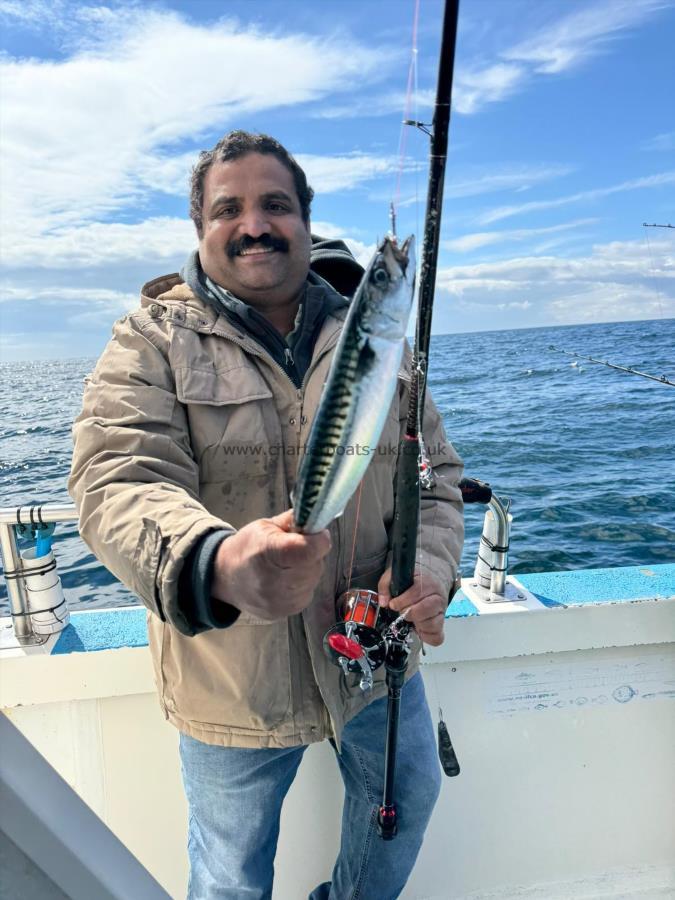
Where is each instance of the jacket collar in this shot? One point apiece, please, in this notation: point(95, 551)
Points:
point(172, 293)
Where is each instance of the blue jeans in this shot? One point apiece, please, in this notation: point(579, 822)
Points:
point(235, 797)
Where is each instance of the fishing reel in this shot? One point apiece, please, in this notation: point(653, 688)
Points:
point(359, 643)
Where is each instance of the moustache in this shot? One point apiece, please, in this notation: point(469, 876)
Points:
point(266, 241)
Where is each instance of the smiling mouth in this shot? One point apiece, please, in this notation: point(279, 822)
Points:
point(256, 251)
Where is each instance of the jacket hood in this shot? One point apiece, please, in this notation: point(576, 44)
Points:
point(333, 261)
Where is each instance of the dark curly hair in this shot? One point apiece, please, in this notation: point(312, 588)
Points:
point(232, 146)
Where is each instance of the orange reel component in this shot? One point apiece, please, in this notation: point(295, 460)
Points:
point(361, 607)
point(356, 637)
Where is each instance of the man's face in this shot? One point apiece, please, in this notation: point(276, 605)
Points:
point(255, 242)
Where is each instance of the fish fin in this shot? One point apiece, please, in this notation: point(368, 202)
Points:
point(367, 358)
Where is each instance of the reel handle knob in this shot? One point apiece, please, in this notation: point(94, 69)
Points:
point(345, 646)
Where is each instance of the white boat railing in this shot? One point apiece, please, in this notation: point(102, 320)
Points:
point(490, 572)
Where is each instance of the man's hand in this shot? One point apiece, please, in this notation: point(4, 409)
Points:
point(267, 570)
point(425, 604)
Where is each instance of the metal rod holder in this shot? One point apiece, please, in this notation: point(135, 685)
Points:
point(10, 517)
point(493, 551)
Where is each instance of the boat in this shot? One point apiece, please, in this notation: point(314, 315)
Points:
point(557, 689)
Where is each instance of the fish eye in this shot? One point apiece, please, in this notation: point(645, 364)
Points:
point(380, 276)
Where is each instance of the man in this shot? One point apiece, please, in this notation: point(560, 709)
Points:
point(186, 454)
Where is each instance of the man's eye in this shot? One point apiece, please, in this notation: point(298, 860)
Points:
point(226, 212)
point(276, 206)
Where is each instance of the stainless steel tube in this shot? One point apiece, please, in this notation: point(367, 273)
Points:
point(23, 627)
point(499, 557)
point(38, 513)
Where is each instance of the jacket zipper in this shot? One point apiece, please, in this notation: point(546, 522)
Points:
point(330, 343)
point(254, 352)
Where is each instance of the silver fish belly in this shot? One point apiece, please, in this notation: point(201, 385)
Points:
point(359, 389)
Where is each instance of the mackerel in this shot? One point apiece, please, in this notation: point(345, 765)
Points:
point(359, 389)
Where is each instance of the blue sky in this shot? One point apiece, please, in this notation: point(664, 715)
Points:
point(562, 144)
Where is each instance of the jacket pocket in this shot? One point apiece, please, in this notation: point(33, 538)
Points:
point(234, 428)
point(233, 678)
point(233, 385)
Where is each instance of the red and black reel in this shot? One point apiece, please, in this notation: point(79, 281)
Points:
point(356, 638)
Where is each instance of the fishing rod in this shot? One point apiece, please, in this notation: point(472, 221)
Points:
point(410, 470)
point(369, 635)
point(662, 379)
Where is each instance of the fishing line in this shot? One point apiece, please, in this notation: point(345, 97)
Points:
point(356, 528)
point(411, 90)
point(417, 171)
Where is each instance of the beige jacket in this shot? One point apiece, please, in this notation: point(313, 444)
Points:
point(189, 426)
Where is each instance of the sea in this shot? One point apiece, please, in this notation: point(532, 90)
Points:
point(584, 453)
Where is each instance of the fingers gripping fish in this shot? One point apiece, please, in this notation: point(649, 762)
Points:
point(359, 389)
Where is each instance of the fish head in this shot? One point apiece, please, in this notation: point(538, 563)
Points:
point(388, 287)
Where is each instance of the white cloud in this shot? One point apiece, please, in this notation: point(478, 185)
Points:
point(117, 301)
point(362, 252)
point(165, 173)
point(582, 239)
point(328, 230)
point(475, 88)
point(505, 212)
point(28, 11)
point(515, 304)
point(581, 34)
point(369, 105)
point(103, 243)
point(619, 280)
point(614, 261)
point(475, 181)
point(558, 46)
point(515, 179)
point(550, 50)
point(88, 136)
point(328, 174)
point(470, 242)
point(660, 142)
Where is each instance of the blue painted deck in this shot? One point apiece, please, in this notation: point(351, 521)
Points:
point(583, 586)
point(105, 629)
point(113, 629)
